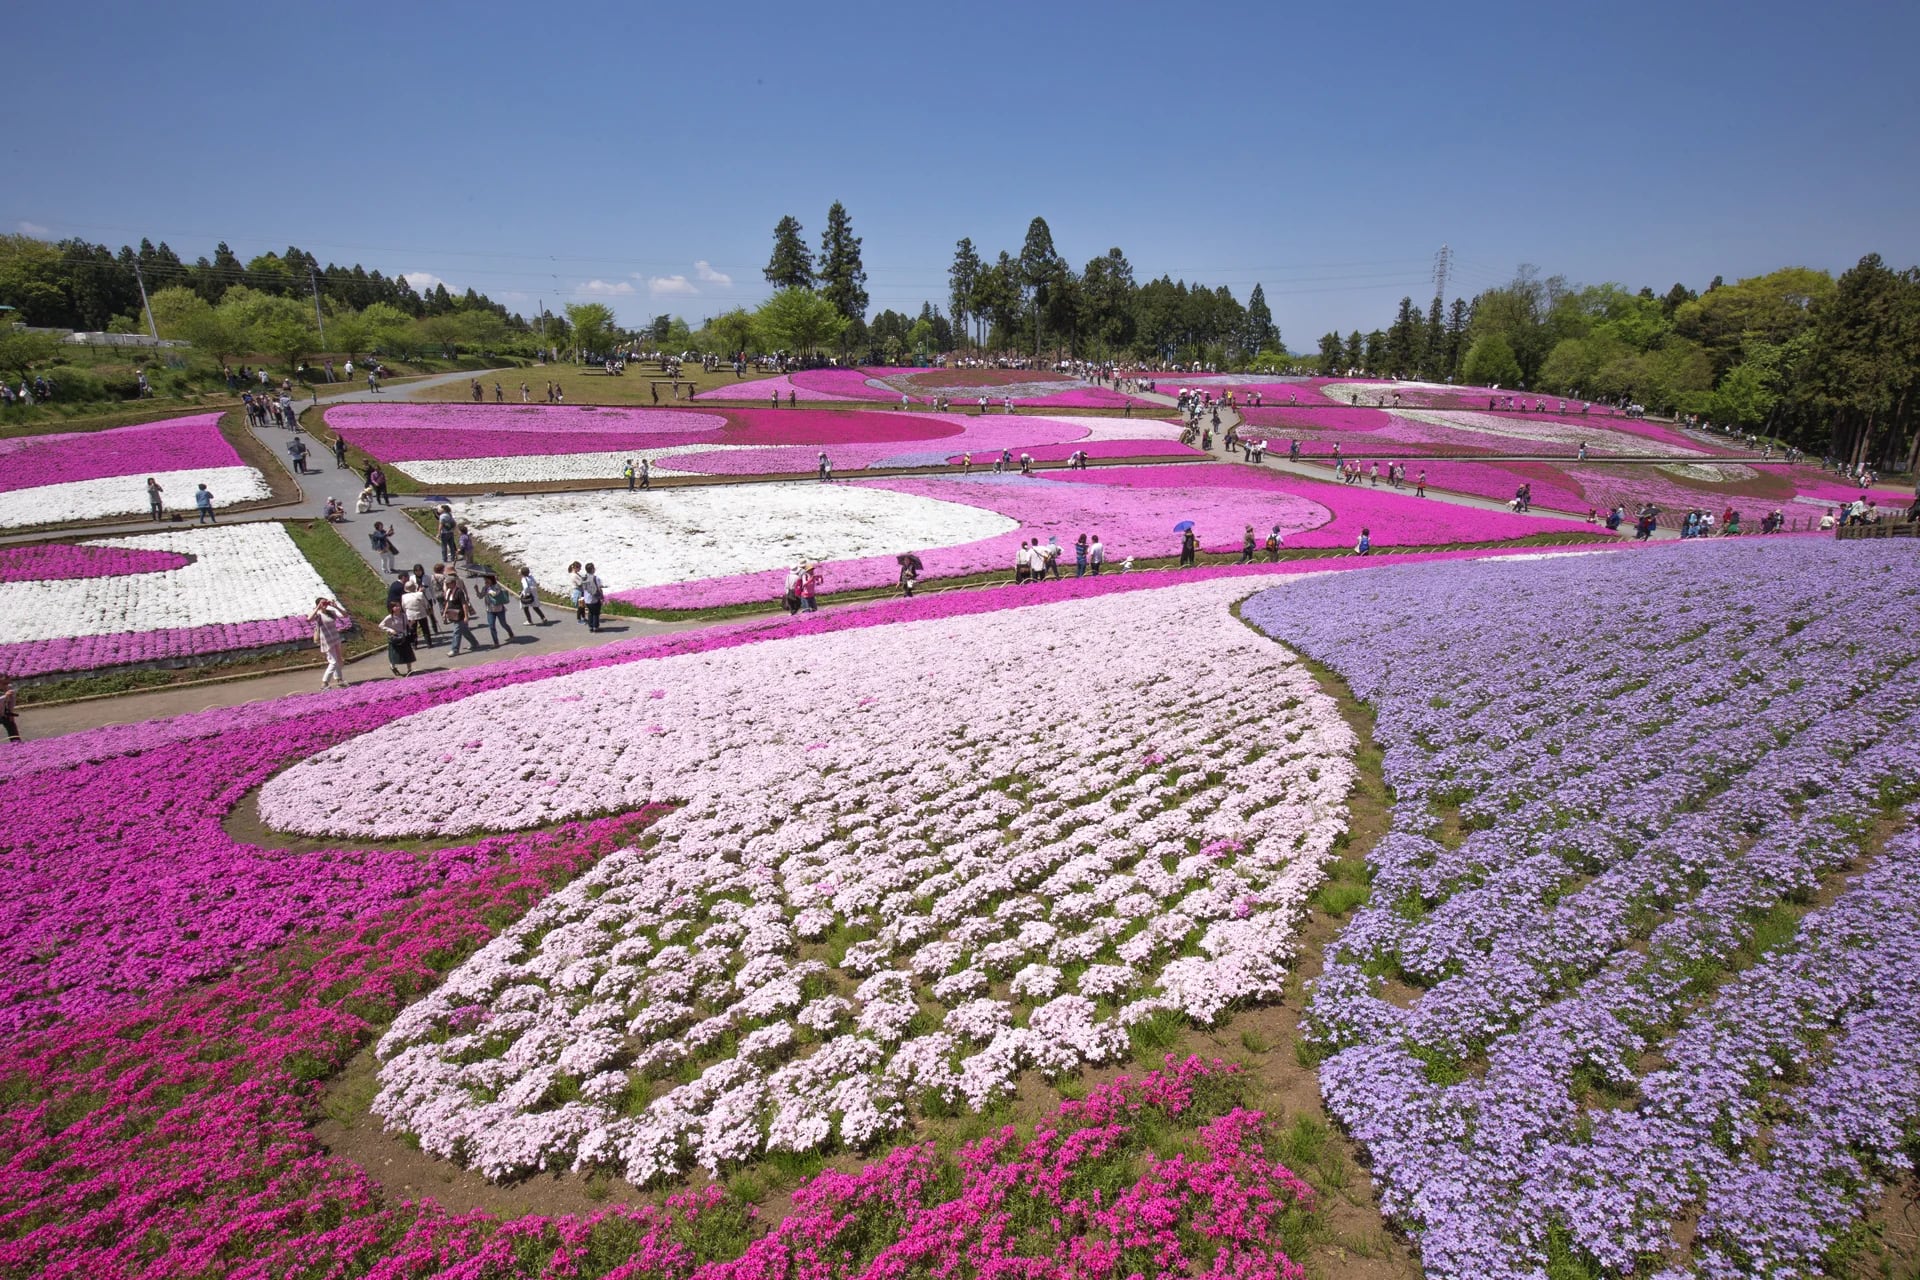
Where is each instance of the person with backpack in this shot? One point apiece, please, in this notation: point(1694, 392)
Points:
point(1273, 545)
point(449, 530)
point(494, 598)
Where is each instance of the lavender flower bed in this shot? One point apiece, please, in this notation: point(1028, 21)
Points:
point(1589, 1003)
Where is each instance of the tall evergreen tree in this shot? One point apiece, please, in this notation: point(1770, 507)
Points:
point(1039, 264)
point(842, 277)
point(1458, 318)
point(962, 278)
point(791, 266)
point(1332, 353)
point(1433, 348)
point(1401, 336)
point(1261, 333)
point(1355, 354)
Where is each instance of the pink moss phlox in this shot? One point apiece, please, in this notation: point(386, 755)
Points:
point(177, 444)
point(74, 561)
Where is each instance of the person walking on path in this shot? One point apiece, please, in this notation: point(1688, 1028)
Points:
point(380, 487)
point(1273, 545)
point(1096, 556)
point(418, 609)
point(1080, 556)
point(809, 586)
point(457, 609)
point(340, 454)
point(399, 639)
point(574, 579)
point(646, 474)
point(156, 507)
point(448, 529)
point(1247, 546)
point(9, 715)
point(325, 619)
point(495, 598)
point(593, 594)
point(1189, 548)
point(630, 475)
point(382, 540)
point(910, 567)
point(467, 565)
point(530, 597)
point(203, 499)
point(1420, 485)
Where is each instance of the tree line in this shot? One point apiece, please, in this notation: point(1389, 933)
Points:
point(73, 284)
point(1831, 365)
point(1037, 303)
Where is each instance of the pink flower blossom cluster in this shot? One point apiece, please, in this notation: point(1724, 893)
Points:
point(1134, 509)
point(176, 444)
point(745, 441)
point(73, 561)
point(679, 957)
point(922, 386)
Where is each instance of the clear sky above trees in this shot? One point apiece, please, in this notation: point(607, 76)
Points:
point(639, 160)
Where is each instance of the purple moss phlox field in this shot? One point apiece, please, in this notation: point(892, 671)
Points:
point(1622, 787)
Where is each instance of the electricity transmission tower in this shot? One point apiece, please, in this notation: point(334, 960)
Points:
point(1442, 265)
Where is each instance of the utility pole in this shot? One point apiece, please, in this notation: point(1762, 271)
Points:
point(318, 323)
point(152, 328)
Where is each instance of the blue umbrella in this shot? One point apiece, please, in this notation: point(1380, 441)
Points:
point(1183, 526)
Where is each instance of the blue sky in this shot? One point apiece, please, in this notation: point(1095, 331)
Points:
point(543, 152)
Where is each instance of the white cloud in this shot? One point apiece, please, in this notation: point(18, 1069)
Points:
point(606, 288)
point(660, 286)
point(704, 271)
point(33, 229)
point(423, 281)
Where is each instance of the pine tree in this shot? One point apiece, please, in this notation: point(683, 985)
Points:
point(1399, 354)
point(1331, 354)
point(1433, 349)
point(1261, 333)
point(1355, 354)
point(962, 279)
point(791, 266)
point(842, 277)
point(1039, 264)
point(1458, 317)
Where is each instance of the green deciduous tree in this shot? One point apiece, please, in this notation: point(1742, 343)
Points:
point(1490, 362)
point(798, 320)
point(593, 327)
